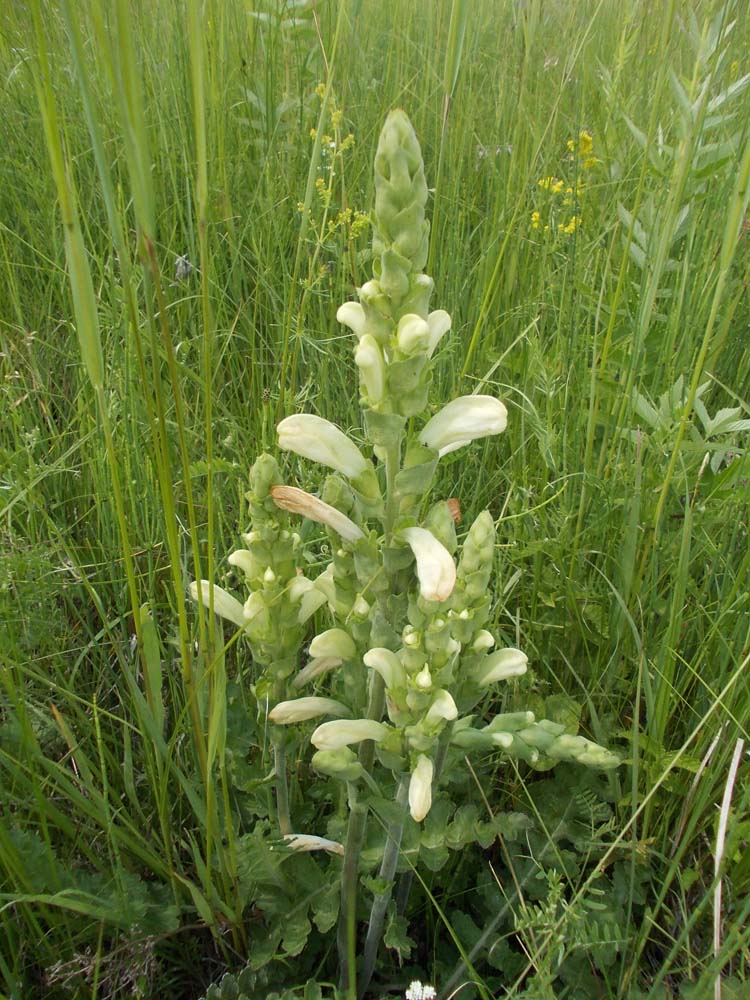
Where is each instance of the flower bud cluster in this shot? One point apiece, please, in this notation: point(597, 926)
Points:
point(281, 599)
point(540, 743)
point(396, 333)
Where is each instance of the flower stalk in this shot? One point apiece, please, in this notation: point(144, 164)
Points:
point(406, 653)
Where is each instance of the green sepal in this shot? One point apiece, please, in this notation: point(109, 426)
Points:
point(397, 559)
point(394, 274)
point(418, 472)
point(411, 404)
point(440, 522)
point(418, 299)
point(405, 376)
point(367, 489)
point(384, 429)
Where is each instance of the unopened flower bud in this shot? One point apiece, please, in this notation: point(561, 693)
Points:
point(420, 788)
point(361, 608)
point(483, 642)
point(413, 334)
point(423, 680)
point(342, 764)
point(269, 576)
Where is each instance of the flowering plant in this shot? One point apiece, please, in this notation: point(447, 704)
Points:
point(407, 662)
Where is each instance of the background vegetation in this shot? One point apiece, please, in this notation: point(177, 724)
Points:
point(614, 325)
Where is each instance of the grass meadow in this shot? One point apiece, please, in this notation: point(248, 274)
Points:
point(184, 199)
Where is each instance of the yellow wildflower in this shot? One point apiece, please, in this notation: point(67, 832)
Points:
point(585, 143)
point(570, 227)
point(535, 220)
point(320, 90)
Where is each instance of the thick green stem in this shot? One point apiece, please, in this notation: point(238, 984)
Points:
point(279, 766)
point(386, 874)
point(282, 789)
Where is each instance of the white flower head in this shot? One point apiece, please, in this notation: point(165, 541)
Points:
point(435, 567)
point(417, 991)
point(297, 501)
point(462, 421)
point(321, 441)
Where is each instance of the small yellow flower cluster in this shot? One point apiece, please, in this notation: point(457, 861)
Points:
point(353, 222)
point(335, 230)
point(568, 195)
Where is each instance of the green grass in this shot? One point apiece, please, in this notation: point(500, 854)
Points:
point(623, 562)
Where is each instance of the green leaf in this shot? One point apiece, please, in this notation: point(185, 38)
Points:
point(396, 936)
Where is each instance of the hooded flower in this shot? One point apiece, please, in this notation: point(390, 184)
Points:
point(307, 842)
point(352, 314)
point(442, 709)
point(299, 502)
point(321, 441)
point(301, 709)
point(502, 665)
point(439, 323)
point(224, 604)
point(462, 421)
point(435, 567)
point(333, 642)
point(420, 789)
point(387, 664)
point(342, 732)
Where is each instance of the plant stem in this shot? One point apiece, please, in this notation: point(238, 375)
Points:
point(279, 767)
point(387, 873)
point(355, 835)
